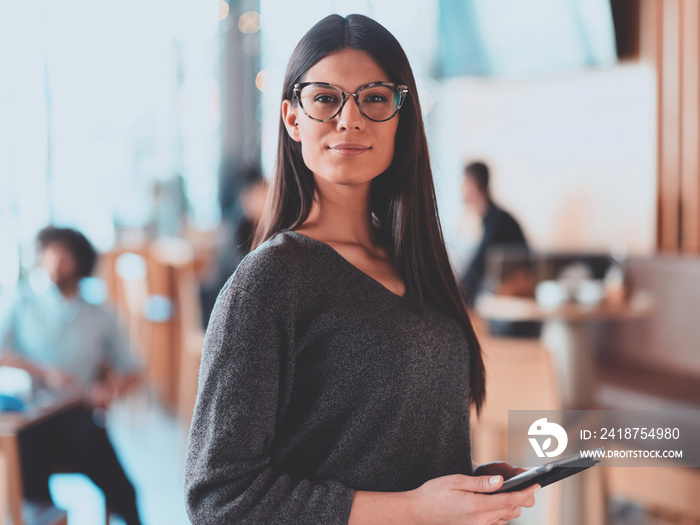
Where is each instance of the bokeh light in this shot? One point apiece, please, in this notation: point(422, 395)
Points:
point(262, 80)
point(223, 9)
point(249, 22)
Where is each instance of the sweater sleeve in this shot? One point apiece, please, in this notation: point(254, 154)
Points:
point(244, 370)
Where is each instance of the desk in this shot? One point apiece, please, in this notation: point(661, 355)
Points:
point(45, 405)
point(569, 334)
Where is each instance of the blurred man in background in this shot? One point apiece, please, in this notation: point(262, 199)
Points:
point(236, 238)
point(61, 340)
point(500, 229)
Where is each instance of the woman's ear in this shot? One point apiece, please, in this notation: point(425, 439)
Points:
point(289, 117)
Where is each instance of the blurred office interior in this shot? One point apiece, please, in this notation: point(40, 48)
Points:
point(136, 122)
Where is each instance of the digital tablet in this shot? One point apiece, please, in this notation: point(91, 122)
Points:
point(549, 473)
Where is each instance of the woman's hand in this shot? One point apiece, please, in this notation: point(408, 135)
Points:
point(460, 499)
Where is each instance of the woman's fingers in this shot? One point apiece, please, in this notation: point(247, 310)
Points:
point(508, 501)
point(531, 491)
point(480, 483)
point(456, 498)
point(502, 516)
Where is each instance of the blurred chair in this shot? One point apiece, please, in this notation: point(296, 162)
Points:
point(4, 489)
point(131, 272)
point(205, 244)
point(192, 340)
point(107, 266)
point(14, 509)
point(130, 294)
point(170, 259)
point(670, 493)
point(519, 376)
point(156, 292)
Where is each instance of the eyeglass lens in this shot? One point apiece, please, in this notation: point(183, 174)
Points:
point(376, 102)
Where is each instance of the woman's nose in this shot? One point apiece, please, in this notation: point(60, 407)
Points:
point(350, 116)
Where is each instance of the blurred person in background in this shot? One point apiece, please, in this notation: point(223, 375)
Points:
point(252, 198)
point(340, 364)
point(237, 237)
point(500, 229)
point(62, 340)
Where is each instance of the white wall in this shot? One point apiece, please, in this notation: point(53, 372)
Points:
point(573, 155)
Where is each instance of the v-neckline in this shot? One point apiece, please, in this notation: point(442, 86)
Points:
point(348, 263)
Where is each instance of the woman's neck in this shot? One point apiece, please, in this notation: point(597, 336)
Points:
point(340, 214)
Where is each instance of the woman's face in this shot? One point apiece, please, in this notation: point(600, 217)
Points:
point(349, 149)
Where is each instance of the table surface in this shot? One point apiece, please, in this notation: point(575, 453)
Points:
point(505, 308)
point(44, 405)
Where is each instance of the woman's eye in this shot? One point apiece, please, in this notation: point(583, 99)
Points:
point(325, 99)
point(376, 99)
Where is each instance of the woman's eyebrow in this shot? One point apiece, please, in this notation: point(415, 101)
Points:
point(344, 90)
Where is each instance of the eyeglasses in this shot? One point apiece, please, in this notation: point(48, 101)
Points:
point(378, 101)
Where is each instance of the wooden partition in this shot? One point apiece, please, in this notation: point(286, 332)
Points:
point(670, 39)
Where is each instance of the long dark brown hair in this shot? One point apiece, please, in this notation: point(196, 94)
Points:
point(402, 199)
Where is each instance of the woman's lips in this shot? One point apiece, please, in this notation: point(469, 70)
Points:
point(349, 150)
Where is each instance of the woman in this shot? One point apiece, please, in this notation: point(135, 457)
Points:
point(339, 363)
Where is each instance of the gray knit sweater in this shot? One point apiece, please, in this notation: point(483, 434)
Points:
point(316, 381)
